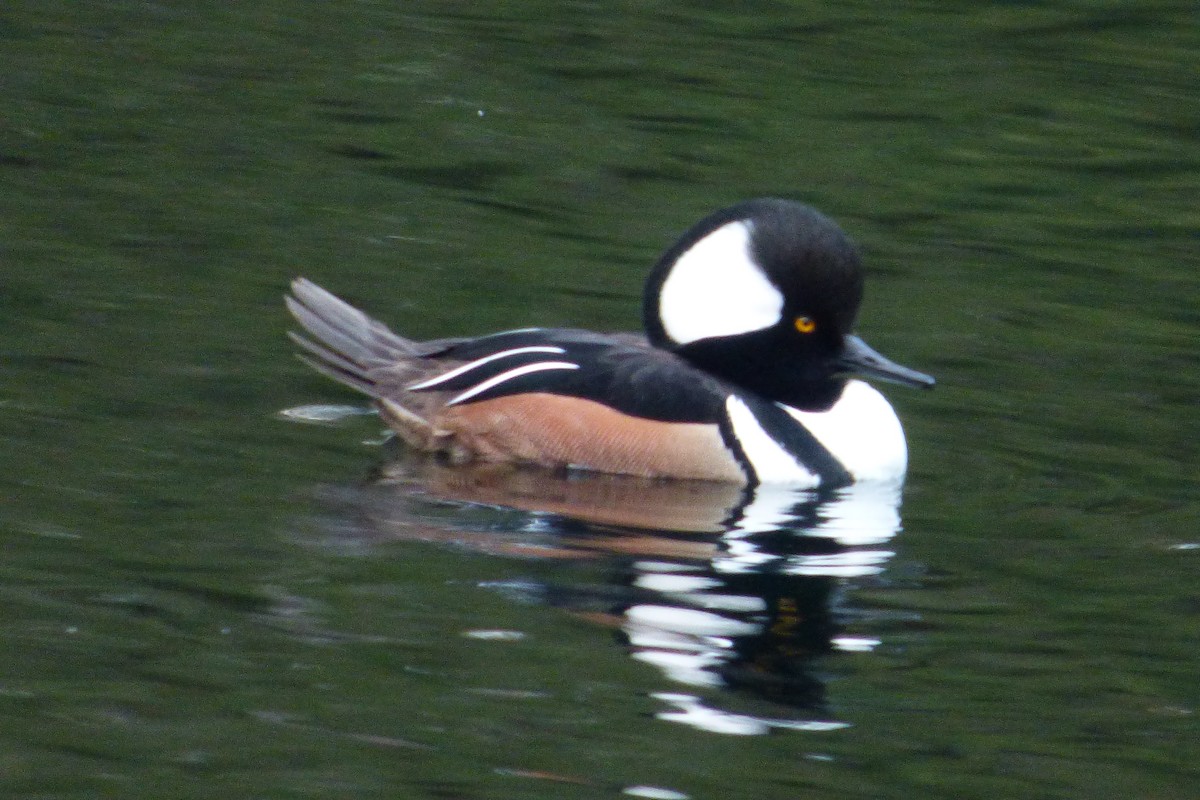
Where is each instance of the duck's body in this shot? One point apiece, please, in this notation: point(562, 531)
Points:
point(742, 378)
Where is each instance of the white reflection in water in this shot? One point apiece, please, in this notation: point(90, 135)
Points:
point(690, 710)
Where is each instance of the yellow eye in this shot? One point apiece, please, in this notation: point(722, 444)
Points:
point(805, 324)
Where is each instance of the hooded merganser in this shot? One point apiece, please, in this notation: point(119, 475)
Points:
point(743, 375)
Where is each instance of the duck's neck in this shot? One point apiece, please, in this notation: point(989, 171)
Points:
point(806, 385)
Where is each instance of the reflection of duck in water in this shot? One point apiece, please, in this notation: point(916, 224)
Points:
point(743, 376)
point(756, 616)
point(719, 587)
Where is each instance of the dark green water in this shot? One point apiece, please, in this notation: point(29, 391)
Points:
point(194, 604)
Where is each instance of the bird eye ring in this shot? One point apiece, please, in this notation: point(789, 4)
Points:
point(805, 324)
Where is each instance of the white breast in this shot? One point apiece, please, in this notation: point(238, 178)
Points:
point(862, 432)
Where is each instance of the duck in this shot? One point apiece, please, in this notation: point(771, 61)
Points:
point(748, 370)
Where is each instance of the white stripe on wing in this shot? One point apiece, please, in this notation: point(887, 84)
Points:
point(510, 375)
point(479, 362)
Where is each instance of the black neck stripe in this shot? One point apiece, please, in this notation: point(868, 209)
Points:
point(794, 438)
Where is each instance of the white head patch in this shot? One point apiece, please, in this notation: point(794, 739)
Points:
point(716, 289)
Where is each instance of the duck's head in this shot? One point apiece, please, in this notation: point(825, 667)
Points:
point(764, 294)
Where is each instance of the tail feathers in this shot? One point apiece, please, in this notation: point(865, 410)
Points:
point(345, 343)
point(333, 365)
point(345, 329)
point(351, 348)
